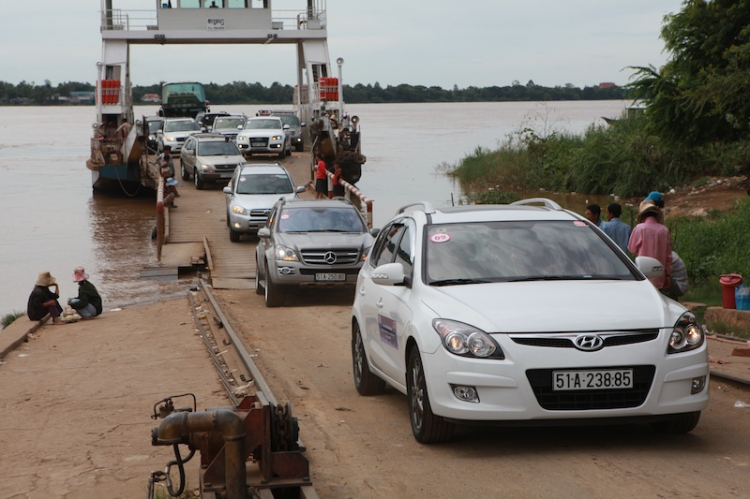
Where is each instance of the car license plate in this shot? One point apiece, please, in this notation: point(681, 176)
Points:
point(227, 175)
point(258, 144)
point(592, 380)
point(330, 276)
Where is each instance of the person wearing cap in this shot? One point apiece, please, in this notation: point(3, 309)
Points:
point(43, 300)
point(615, 228)
point(88, 304)
point(657, 198)
point(651, 238)
point(170, 192)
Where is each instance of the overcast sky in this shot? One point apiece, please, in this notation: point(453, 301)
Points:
point(419, 42)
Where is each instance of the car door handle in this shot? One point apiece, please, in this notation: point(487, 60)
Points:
point(362, 291)
point(379, 304)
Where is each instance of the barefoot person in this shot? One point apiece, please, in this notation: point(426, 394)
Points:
point(43, 300)
point(88, 304)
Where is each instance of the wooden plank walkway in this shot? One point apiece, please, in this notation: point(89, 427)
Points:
point(198, 233)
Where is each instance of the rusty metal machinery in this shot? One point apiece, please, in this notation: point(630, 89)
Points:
point(256, 430)
point(227, 439)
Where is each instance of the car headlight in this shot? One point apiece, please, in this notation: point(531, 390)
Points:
point(239, 210)
point(170, 138)
point(466, 341)
point(277, 137)
point(687, 334)
point(286, 254)
point(241, 139)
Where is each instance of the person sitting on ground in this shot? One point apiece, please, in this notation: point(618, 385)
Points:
point(615, 228)
point(88, 304)
point(43, 300)
point(594, 214)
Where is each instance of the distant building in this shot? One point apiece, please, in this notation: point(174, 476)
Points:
point(606, 84)
point(151, 98)
point(81, 97)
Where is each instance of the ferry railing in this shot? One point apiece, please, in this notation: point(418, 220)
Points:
point(129, 20)
point(160, 219)
point(359, 200)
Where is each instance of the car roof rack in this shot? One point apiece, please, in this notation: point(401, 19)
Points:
point(548, 203)
point(426, 207)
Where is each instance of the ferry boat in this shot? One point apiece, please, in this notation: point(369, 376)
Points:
point(119, 150)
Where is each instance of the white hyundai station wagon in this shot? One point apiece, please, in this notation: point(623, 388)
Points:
point(521, 313)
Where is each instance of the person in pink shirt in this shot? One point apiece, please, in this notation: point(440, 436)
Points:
point(651, 238)
point(321, 180)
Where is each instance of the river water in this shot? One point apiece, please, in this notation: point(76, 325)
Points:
point(52, 220)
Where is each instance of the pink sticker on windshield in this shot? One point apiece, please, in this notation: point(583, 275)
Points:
point(284, 216)
point(578, 223)
point(440, 238)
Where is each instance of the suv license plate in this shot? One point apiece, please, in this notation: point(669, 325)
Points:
point(330, 276)
point(258, 144)
point(592, 380)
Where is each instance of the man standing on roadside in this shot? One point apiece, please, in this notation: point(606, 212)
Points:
point(594, 214)
point(651, 238)
point(615, 228)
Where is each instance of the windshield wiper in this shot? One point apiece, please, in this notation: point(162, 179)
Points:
point(566, 278)
point(457, 282)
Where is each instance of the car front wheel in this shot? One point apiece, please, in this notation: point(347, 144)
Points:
point(198, 180)
point(184, 172)
point(258, 286)
point(426, 426)
point(273, 293)
point(365, 382)
point(680, 423)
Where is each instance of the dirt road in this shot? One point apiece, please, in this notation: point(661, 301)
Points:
point(363, 448)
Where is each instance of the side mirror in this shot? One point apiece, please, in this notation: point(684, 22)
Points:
point(390, 274)
point(374, 232)
point(300, 189)
point(265, 232)
point(227, 190)
point(286, 127)
point(303, 124)
point(651, 267)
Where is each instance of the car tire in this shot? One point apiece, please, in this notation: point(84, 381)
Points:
point(184, 172)
point(365, 382)
point(258, 286)
point(234, 236)
point(426, 426)
point(300, 148)
point(273, 293)
point(198, 180)
point(282, 154)
point(679, 424)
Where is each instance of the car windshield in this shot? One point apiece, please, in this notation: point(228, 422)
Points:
point(264, 183)
point(225, 123)
point(181, 126)
point(290, 119)
point(320, 220)
point(154, 126)
point(217, 148)
point(263, 125)
point(519, 251)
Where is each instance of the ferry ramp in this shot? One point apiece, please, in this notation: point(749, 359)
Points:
point(197, 234)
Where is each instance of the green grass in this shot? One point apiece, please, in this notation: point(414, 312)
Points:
point(8, 319)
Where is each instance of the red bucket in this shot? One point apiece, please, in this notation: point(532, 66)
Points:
point(728, 284)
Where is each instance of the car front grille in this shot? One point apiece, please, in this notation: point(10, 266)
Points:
point(564, 340)
point(225, 168)
point(330, 256)
point(583, 400)
point(259, 142)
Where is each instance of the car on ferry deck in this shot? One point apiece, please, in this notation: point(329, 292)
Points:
point(229, 126)
point(251, 193)
point(206, 119)
point(175, 131)
point(265, 135)
point(209, 157)
point(155, 123)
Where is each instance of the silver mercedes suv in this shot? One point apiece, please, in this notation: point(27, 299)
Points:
point(310, 242)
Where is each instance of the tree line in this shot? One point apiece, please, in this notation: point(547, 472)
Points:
point(240, 92)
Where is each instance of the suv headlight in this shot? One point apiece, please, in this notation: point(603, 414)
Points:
point(239, 209)
point(277, 137)
point(466, 341)
point(687, 334)
point(286, 254)
point(241, 138)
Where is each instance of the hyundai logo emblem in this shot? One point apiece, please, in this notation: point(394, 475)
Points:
point(330, 257)
point(588, 342)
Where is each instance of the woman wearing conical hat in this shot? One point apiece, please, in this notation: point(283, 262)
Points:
point(43, 300)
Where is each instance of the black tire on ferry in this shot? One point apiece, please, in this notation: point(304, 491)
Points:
point(198, 180)
point(365, 382)
point(258, 286)
point(184, 173)
point(273, 293)
point(300, 147)
point(282, 154)
point(234, 236)
point(679, 424)
point(427, 427)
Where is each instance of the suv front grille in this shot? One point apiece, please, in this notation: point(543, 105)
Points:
point(225, 167)
point(583, 400)
point(330, 256)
